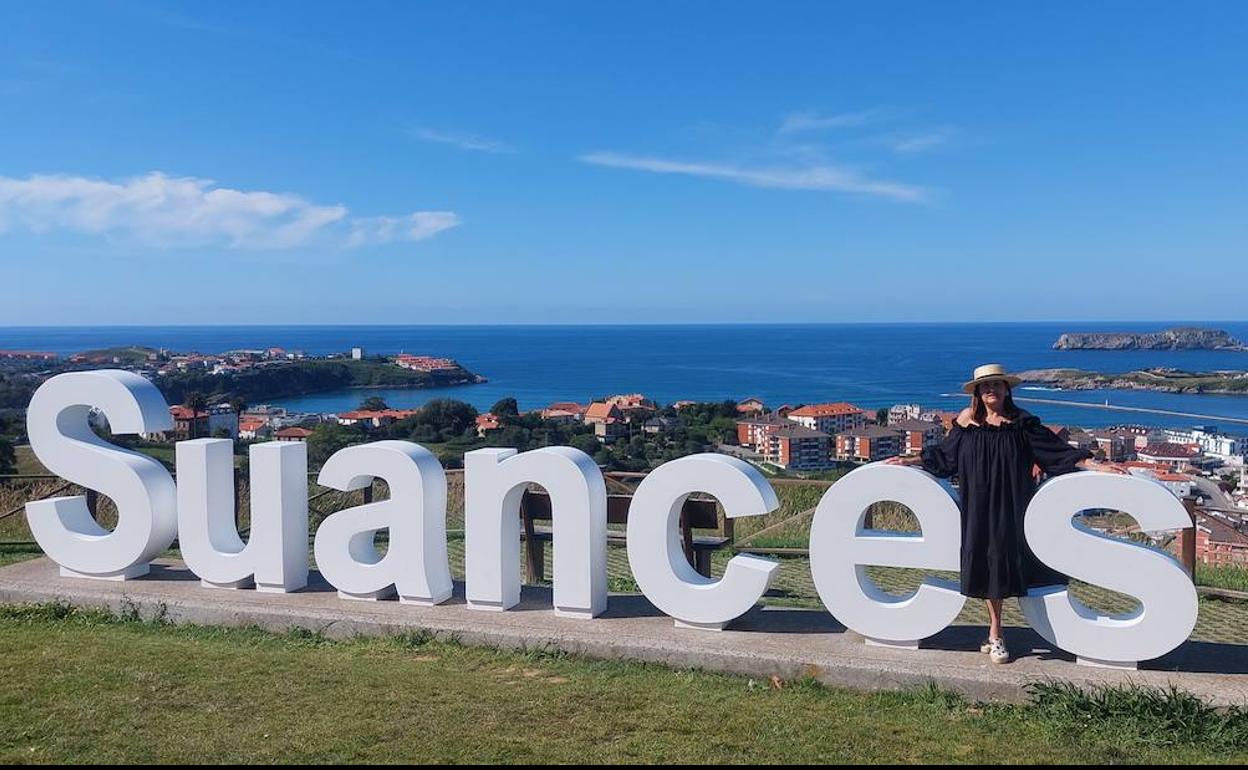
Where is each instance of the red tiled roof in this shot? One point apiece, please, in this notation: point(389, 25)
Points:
point(915, 425)
point(600, 411)
point(629, 401)
point(826, 410)
point(295, 432)
point(373, 414)
point(1221, 531)
point(185, 413)
point(1166, 449)
point(425, 362)
point(1143, 465)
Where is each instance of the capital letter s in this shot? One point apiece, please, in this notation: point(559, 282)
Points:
point(1167, 597)
point(146, 498)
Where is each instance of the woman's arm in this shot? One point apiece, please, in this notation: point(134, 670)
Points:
point(1052, 454)
point(940, 460)
point(1094, 465)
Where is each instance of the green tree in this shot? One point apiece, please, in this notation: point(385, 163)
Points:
point(586, 442)
point(374, 404)
point(881, 416)
point(510, 436)
point(723, 430)
point(448, 415)
point(196, 402)
point(506, 407)
point(8, 457)
point(329, 437)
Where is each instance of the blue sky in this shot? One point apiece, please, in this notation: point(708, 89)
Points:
point(622, 162)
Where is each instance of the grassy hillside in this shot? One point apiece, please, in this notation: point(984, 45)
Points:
point(83, 687)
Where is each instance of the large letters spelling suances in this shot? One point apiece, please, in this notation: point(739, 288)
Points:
point(152, 510)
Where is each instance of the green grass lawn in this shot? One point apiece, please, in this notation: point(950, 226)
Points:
point(27, 463)
point(1232, 578)
point(84, 687)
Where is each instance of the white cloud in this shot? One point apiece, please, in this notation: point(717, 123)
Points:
point(921, 142)
point(414, 227)
point(170, 211)
point(462, 141)
point(812, 177)
point(810, 121)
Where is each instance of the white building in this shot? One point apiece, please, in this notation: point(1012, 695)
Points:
point(1179, 484)
point(1213, 442)
point(901, 412)
point(829, 418)
point(271, 415)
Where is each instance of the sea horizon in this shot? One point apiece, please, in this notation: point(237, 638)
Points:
point(871, 364)
point(962, 322)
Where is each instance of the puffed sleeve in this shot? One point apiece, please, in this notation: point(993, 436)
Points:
point(941, 460)
point(1050, 452)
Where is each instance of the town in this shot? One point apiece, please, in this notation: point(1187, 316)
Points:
point(634, 433)
point(1201, 465)
point(237, 376)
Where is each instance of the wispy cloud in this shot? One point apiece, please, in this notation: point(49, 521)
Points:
point(460, 140)
point(413, 227)
point(921, 142)
point(811, 177)
point(167, 211)
point(809, 121)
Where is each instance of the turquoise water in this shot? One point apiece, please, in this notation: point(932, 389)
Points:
point(871, 365)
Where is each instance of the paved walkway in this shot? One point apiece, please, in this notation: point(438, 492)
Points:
point(789, 643)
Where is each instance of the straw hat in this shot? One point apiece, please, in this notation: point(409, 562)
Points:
point(988, 373)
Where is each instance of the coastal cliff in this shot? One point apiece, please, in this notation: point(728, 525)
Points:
point(1161, 379)
point(1184, 338)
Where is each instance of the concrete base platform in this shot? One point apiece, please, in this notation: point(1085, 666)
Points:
point(789, 643)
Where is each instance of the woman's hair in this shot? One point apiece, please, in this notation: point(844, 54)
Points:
point(979, 412)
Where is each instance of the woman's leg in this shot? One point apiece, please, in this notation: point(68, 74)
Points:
point(994, 618)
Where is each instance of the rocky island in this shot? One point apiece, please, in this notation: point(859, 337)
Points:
point(253, 376)
point(1160, 379)
point(1183, 338)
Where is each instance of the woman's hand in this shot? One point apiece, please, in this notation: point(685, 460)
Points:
point(1093, 465)
point(911, 460)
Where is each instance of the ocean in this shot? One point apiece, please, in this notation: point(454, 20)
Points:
point(871, 365)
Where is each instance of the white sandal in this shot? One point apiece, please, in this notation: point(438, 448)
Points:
point(996, 650)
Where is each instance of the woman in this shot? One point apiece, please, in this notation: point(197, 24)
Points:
point(992, 448)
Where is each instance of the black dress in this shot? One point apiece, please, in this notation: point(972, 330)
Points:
point(993, 464)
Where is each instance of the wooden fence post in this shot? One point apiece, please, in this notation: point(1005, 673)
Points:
point(1188, 555)
point(238, 500)
point(534, 550)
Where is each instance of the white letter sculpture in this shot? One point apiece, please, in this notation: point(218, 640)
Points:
point(144, 492)
point(840, 549)
point(494, 482)
point(415, 564)
point(275, 558)
point(656, 554)
point(1167, 597)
